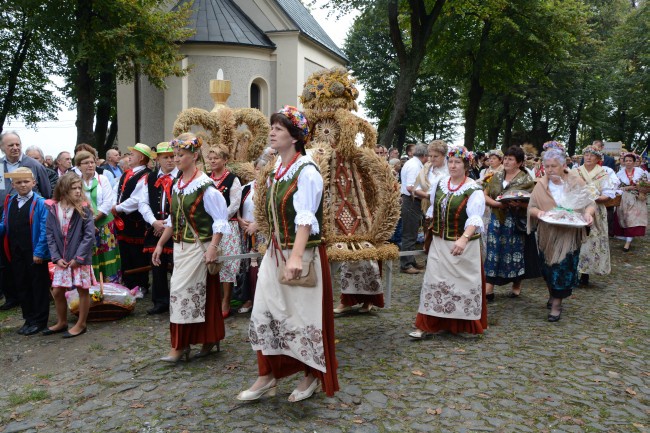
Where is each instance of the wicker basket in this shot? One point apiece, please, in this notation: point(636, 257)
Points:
point(613, 202)
point(104, 311)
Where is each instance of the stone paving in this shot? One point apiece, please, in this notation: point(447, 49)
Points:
point(587, 373)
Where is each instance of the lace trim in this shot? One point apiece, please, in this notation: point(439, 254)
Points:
point(294, 168)
point(477, 222)
point(221, 226)
point(197, 183)
point(469, 184)
point(306, 218)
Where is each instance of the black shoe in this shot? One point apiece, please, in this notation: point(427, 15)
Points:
point(8, 305)
point(67, 334)
point(626, 250)
point(158, 309)
point(490, 297)
point(54, 331)
point(513, 295)
point(584, 280)
point(22, 329)
point(552, 318)
point(33, 329)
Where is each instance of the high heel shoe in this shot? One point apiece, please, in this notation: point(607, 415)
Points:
point(303, 395)
point(553, 318)
point(268, 389)
point(174, 359)
point(207, 350)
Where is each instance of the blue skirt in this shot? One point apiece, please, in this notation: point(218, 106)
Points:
point(561, 277)
point(504, 261)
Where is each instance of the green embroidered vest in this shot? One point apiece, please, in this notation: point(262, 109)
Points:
point(450, 214)
point(192, 212)
point(284, 191)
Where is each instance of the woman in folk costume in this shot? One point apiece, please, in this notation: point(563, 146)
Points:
point(230, 187)
point(505, 260)
point(632, 214)
point(453, 290)
point(99, 193)
point(495, 164)
point(594, 253)
point(198, 210)
point(559, 246)
point(292, 325)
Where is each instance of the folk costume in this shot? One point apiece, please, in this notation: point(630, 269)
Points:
point(453, 290)
point(506, 258)
point(292, 327)
point(632, 214)
point(131, 236)
point(195, 296)
point(230, 187)
point(559, 246)
point(361, 283)
point(594, 253)
point(155, 205)
point(249, 267)
point(106, 254)
point(23, 228)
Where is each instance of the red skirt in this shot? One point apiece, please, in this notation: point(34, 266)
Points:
point(208, 332)
point(350, 300)
point(283, 365)
point(628, 232)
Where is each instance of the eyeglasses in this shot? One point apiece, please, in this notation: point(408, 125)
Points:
point(87, 163)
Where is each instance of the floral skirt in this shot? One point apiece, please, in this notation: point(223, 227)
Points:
point(230, 245)
point(81, 277)
point(504, 259)
point(106, 256)
point(561, 277)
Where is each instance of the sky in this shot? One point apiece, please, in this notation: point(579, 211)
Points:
point(60, 135)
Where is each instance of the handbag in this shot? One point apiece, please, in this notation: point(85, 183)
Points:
point(213, 267)
point(305, 280)
point(428, 234)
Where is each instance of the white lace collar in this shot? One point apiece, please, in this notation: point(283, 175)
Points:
point(469, 184)
point(304, 159)
point(197, 183)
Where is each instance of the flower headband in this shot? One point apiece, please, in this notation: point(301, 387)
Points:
point(460, 152)
point(191, 145)
point(630, 154)
point(553, 145)
point(593, 151)
point(496, 152)
point(297, 119)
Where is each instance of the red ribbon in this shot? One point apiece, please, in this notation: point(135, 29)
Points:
point(166, 182)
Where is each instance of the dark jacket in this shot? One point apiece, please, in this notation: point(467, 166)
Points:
point(42, 187)
point(79, 242)
point(37, 220)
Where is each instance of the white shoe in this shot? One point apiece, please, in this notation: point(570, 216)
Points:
point(269, 389)
point(302, 395)
point(364, 310)
point(419, 334)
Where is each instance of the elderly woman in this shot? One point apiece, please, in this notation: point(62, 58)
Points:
point(494, 161)
point(99, 193)
point(198, 220)
point(632, 214)
point(453, 291)
point(559, 246)
point(505, 260)
point(594, 253)
point(292, 324)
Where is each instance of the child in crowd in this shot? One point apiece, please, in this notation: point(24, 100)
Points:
point(25, 244)
point(71, 238)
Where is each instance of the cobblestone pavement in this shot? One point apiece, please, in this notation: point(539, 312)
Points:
point(587, 373)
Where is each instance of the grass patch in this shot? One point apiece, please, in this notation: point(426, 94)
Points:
point(95, 347)
point(32, 395)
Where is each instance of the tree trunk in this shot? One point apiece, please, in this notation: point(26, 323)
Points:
point(15, 67)
point(510, 118)
point(573, 130)
point(476, 90)
point(112, 133)
point(104, 108)
point(85, 105)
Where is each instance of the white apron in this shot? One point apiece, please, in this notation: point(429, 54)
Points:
point(187, 287)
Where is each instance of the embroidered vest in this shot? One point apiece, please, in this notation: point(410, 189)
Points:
point(225, 186)
point(192, 212)
point(134, 224)
point(155, 198)
point(450, 214)
point(284, 191)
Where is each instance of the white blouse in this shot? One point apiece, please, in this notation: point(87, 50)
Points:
point(475, 204)
point(434, 174)
point(213, 202)
point(248, 207)
point(622, 176)
point(105, 197)
point(556, 190)
point(130, 205)
point(307, 197)
point(235, 198)
point(144, 206)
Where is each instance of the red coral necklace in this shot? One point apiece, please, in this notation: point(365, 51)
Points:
point(458, 187)
point(219, 180)
point(180, 186)
point(280, 173)
point(630, 176)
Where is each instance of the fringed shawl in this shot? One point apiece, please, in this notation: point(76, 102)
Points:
point(555, 242)
point(522, 181)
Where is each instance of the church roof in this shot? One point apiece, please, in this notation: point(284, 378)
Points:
point(222, 22)
point(308, 25)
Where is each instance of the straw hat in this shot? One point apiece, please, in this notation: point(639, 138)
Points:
point(144, 149)
point(164, 147)
point(20, 173)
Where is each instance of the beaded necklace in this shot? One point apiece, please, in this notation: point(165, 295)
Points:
point(630, 177)
point(280, 173)
point(180, 186)
point(458, 187)
point(220, 179)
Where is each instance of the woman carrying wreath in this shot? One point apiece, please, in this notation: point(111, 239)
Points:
point(559, 246)
point(197, 222)
point(292, 326)
point(594, 253)
point(453, 290)
point(631, 216)
point(505, 260)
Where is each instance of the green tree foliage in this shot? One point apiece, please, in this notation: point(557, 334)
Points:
point(26, 90)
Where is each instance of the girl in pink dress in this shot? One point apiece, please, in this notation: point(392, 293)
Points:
point(70, 238)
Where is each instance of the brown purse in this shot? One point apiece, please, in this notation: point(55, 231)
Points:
point(306, 279)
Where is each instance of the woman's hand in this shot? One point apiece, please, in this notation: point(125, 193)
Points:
point(459, 246)
point(210, 255)
point(74, 264)
point(62, 264)
point(155, 257)
point(589, 219)
point(243, 224)
point(293, 268)
point(252, 228)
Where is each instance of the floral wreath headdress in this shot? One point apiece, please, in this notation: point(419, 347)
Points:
point(553, 145)
point(297, 119)
point(462, 153)
point(191, 145)
point(496, 152)
point(593, 151)
point(626, 154)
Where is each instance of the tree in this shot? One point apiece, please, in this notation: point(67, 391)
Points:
point(26, 90)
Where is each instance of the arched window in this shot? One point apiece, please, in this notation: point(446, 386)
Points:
point(256, 96)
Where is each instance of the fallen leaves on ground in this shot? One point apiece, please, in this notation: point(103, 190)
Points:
point(630, 391)
point(436, 411)
point(417, 373)
point(137, 405)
